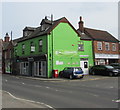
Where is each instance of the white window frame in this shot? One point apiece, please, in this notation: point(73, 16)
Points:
point(40, 45)
point(114, 47)
point(23, 48)
point(99, 45)
point(107, 46)
point(32, 47)
point(81, 46)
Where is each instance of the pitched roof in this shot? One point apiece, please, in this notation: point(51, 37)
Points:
point(100, 35)
point(83, 36)
point(29, 28)
point(49, 26)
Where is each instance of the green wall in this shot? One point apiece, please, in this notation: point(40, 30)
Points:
point(27, 46)
point(65, 48)
point(62, 52)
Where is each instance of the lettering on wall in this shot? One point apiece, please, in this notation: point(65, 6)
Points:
point(65, 52)
point(59, 62)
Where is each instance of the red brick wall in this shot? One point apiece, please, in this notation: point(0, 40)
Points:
point(103, 48)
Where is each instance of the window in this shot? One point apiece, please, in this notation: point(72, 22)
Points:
point(81, 46)
point(113, 47)
point(40, 45)
point(23, 48)
point(99, 45)
point(107, 46)
point(32, 47)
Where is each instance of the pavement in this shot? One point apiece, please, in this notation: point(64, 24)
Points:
point(46, 79)
point(10, 101)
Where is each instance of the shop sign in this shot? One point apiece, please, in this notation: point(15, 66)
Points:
point(110, 56)
point(31, 59)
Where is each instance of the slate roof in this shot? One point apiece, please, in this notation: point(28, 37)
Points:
point(83, 36)
point(29, 28)
point(100, 35)
point(49, 26)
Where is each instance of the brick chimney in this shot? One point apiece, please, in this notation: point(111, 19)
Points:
point(81, 25)
point(7, 38)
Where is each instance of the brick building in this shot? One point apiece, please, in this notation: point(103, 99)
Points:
point(7, 54)
point(105, 46)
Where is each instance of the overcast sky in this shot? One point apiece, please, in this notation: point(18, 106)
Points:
point(96, 15)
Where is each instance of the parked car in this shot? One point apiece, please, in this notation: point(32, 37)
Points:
point(116, 65)
point(104, 70)
point(72, 72)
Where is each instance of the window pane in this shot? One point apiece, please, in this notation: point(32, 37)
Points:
point(99, 45)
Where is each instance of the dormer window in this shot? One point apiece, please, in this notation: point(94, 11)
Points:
point(42, 27)
point(25, 33)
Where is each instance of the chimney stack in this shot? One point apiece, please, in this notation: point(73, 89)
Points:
point(7, 38)
point(81, 25)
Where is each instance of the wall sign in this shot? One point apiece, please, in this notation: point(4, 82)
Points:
point(110, 56)
point(59, 62)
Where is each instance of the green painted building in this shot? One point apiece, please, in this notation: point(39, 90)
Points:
point(52, 46)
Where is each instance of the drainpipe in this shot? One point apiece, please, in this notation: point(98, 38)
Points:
point(93, 52)
point(52, 40)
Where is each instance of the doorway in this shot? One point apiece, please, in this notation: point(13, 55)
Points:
point(84, 65)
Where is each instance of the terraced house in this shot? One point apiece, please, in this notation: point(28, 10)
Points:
point(105, 46)
point(52, 46)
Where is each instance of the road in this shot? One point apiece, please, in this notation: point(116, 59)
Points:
point(89, 92)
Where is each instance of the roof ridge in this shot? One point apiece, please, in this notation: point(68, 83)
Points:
point(95, 29)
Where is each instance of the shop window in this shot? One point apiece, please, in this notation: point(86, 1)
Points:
point(24, 68)
point(23, 48)
point(107, 46)
point(81, 46)
point(40, 45)
point(99, 45)
point(32, 47)
point(113, 47)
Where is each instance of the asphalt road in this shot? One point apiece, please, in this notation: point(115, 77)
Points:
point(89, 92)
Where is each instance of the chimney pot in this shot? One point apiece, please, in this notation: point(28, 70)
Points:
point(81, 25)
point(7, 38)
point(80, 18)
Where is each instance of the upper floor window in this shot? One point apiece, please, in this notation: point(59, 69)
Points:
point(40, 45)
point(32, 47)
point(99, 45)
point(113, 47)
point(81, 46)
point(23, 48)
point(107, 46)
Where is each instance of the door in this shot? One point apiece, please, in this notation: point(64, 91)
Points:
point(43, 69)
point(84, 66)
point(31, 68)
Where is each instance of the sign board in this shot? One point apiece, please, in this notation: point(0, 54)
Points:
point(30, 59)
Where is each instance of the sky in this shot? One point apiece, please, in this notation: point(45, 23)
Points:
point(96, 15)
